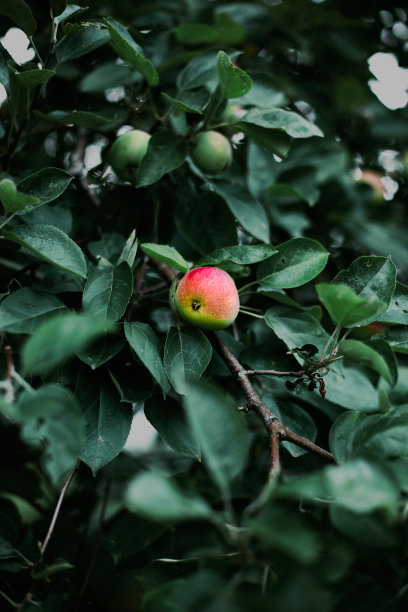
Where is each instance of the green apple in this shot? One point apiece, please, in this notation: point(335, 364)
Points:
point(127, 152)
point(207, 298)
point(212, 152)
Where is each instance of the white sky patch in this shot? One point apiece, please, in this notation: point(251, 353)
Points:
point(17, 44)
point(142, 434)
point(391, 86)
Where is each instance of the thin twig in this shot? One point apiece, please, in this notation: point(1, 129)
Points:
point(298, 374)
point(57, 509)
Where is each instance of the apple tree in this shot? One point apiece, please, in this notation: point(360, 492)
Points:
point(139, 141)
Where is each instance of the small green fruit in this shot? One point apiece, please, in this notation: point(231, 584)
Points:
point(127, 152)
point(212, 152)
point(207, 298)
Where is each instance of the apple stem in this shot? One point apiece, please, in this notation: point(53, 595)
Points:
point(251, 314)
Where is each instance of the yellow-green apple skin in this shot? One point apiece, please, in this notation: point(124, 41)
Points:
point(212, 152)
point(127, 152)
point(207, 298)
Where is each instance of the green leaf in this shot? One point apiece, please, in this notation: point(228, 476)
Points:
point(398, 339)
point(201, 70)
point(19, 12)
point(242, 254)
point(299, 421)
point(164, 154)
point(214, 419)
point(348, 309)
point(193, 101)
point(24, 310)
point(130, 51)
point(234, 82)
point(69, 11)
point(296, 328)
point(384, 436)
point(46, 185)
point(129, 250)
point(165, 254)
point(101, 351)
point(365, 355)
point(57, 340)
point(248, 211)
point(107, 291)
point(23, 80)
point(296, 262)
point(107, 425)
point(52, 414)
point(107, 76)
point(148, 348)
point(224, 32)
point(277, 119)
point(276, 141)
point(94, 121)
point(263, 93)
point(51, 244)
point(187, 353)
point(168, 418)
point(370, 277)
point(156, 497)
point(80, 43)
point(342, 434)
point(13, 200)
point(397, 311)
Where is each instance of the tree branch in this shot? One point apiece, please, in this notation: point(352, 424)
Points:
point(276, 429)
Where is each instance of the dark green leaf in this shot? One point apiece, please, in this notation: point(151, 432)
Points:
point(365, 355)
point(13, 200)
point(342, 434)
point(130, 51)
point(101, 351)
point(53, 413)
point(296, 262)
point(397, 338)
point(46, 185)
point(234, 82)
point(193, 101)
point(24, 310)
point(277, 119)
point(22, 84)
point(81, 118)
point(51, 244)
point(223, 32)
point(187, 353)
point(156, 497)
point(167, 417)
point(248, 211)
point(19, 12)
point(107, 426)
point(164, 154)
point(107, 291)
point(346, 308)
point(148, 348)
point(166, 254)
point(242, 254)
point(214, 418)
point(397, 311)
point(370, 277)
point(57, 340)
point(80, 43)
point(201, 70)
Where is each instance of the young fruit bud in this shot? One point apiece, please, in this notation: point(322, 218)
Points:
point(212, 152)
point(127, 152)
point(207, 298)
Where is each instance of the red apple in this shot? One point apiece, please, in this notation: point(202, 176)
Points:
point(207, 298)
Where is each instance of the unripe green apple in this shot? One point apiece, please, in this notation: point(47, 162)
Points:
point(127, 152)
point(212, 152)
point(207, 298)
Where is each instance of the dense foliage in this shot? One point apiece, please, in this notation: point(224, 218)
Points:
point(284, 490)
